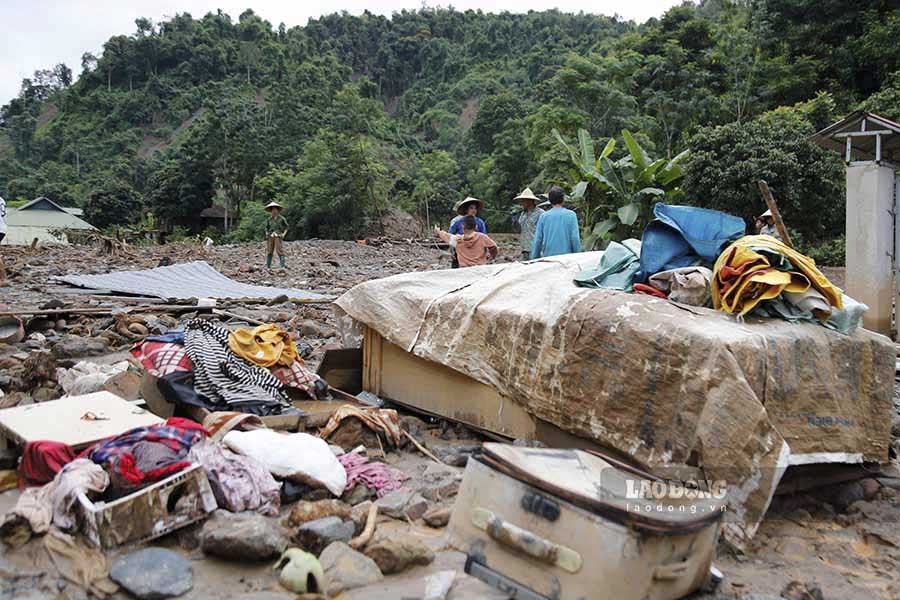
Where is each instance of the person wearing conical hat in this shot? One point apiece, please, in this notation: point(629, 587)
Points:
point(276, 229)
point(467, 207)
point(765, 225)
point(527, 220)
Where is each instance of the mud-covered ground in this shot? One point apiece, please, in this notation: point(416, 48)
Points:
point(840, 541)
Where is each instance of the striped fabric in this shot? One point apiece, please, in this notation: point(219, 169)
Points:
point(227, 379)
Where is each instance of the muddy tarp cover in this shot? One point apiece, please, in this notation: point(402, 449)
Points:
point(669, 385)
point(187, 280)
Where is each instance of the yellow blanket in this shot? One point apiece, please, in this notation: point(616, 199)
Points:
point(266, 346)
point(744, 277)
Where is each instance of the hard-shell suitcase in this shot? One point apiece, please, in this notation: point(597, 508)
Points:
point(543, 523)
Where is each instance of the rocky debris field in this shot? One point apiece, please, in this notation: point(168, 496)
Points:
point(837, 541)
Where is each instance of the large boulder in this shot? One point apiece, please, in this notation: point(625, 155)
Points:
point(242, 536)
point(153, 574)
point(346, 569)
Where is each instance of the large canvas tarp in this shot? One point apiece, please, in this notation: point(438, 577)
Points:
point(669, 385)
point(186, 280)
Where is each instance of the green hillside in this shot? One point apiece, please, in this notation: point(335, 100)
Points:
point(348, 115)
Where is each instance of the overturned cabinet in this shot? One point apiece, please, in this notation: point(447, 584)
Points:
point(518, 351)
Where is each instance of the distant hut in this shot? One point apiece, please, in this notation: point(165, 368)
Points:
point(44, 220)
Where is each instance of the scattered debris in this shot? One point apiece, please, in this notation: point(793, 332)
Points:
point(301, 572)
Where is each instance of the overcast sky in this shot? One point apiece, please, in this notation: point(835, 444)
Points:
point(38, 34)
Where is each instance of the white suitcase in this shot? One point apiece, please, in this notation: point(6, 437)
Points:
point(543, 523)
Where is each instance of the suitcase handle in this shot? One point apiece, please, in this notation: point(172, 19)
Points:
point(671, 571)
point(525, 541)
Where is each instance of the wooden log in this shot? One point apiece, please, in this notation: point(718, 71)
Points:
point(776, 216)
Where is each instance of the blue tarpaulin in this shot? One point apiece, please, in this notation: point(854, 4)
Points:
point(682, 236)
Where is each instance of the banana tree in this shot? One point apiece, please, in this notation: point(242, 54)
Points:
point(617, 196)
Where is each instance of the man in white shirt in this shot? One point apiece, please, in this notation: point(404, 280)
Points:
point(2, 235)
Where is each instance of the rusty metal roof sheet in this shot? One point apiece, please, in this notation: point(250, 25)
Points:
point(187, 280)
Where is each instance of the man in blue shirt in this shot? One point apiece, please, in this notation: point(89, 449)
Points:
point(557, 230)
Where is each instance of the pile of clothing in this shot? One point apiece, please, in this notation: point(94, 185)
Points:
point(210, 367)
point(702, 257)
point(760, 275)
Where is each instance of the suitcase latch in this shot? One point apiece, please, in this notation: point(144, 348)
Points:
point(541, 506)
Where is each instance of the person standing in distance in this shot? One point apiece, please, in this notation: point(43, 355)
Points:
point(557, 229)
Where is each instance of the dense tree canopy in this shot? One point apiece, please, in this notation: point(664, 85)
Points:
point(350, 114)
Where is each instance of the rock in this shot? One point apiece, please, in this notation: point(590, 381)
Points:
point(153, 573)
point(304, 511)
point(308, 328)
point(242, 536)
point(441, 482)
point(870, 487)
point(800, 591)
point(359, 515)
point(394, 555)
point(316, 494)
point(314, 536)
point(346, 569)
point(74, 346)
point(359, 493)
point(401, 504)
point(438, 516)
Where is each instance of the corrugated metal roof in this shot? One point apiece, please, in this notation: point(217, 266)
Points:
point(187, 280)
point(50, 219)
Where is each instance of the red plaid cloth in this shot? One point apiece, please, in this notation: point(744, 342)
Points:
point(296, 376)
point(162, 358)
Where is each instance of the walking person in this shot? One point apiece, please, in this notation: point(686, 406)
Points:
point(276, 229)
point(557, 230)
point(527, 220)
point(2, 235)
point(473, 248)
point(469, 206)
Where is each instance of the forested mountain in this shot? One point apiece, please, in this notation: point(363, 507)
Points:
point(350, 114)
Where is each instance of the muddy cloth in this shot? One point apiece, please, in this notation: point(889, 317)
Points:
point(674, 388)
point(42, 460)
point(688, 285)
point(144, 455)
point(161, 358)
point(227, 380)
point(384, 421)
point(265, 346)
point(376, 476)
point(239, 482)
point(53, 503)
point(178, 388)
point(76, 562)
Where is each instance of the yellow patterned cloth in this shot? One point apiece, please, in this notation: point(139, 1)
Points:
point(266, 346)
point(759, 267)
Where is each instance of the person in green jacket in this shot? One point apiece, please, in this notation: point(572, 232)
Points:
point(276, 229)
